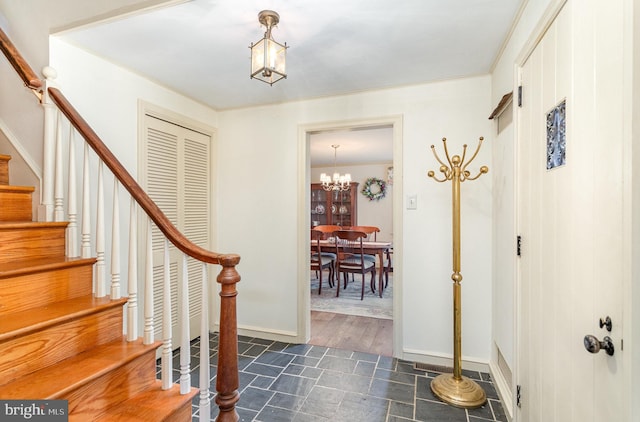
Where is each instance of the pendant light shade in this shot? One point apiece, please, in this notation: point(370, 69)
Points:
point(268, 57)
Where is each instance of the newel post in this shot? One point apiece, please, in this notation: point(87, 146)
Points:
point(227, 376)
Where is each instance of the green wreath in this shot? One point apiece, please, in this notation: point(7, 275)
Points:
point(376, 193)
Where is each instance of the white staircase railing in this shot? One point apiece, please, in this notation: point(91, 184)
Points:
point(62, 127)
point(69, 126)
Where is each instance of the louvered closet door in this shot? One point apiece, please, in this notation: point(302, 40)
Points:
point(177, 177)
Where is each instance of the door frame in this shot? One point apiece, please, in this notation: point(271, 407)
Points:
point(304, 219)
point(536, 35)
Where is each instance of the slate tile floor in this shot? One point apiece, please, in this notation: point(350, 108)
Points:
point(282, 382)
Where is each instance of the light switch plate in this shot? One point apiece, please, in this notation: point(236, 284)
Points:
point(412, 202)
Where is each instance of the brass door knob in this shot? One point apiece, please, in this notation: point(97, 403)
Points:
point(593, 345)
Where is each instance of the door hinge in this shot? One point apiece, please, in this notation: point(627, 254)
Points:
point(519, 245)
point(520, 96)
point(518, 397)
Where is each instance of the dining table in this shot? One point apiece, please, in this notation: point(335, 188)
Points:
point(369, 247)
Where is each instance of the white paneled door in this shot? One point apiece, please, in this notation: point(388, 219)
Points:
point(570, 219)
point(177, 175)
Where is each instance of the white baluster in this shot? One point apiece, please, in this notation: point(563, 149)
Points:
point(115, 244)
point(148, 288)
point(86, 206)
point(185, 346)
point(205, 378)
point(58, 193)
point(167, 361)
point(72, 205)
point(48, 174)
point(101, 289)
point(132, 303)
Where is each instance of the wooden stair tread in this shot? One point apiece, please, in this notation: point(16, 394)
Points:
point(17, 189)
point(24, 225)
point(23, 267)
point(58, 341)
point(57, 380)
point(22, 323)
point(152, 405)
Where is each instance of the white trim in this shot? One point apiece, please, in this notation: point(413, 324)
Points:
point(120, 13)
point(304, 223)
point(631, 240)
point(263, 333)
point(153, 110)
point(39, 211)
point(508, 38)
point(536, 35)
point(443, 359)
point(149, 109)
point(13, 140)
point(547, 19)
point(502, 388)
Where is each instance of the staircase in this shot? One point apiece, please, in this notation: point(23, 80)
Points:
point(58, 341)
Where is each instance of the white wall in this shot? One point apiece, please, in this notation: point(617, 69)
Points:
point(370, 213)
point(28, 25)
point(107, 97)
point(111, 109)
point(258, 182)
point(258, 179)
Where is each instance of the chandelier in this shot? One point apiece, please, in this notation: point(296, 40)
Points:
point(338, 182)
point(268, 56)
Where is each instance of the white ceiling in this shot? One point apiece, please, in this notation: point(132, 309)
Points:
point(200, 48)
point(355, 146)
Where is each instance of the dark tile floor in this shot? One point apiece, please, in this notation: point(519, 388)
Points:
point(282, 382)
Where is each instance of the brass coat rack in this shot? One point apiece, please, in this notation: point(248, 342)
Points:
point(455, 388)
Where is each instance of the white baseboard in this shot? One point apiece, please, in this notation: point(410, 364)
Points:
point(264, 333)
point(439, 359)
point(502, 388)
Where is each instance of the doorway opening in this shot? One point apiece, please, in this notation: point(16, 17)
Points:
point(367, 150)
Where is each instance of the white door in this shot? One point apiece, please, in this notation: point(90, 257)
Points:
point(570, 220)
point(177, 177)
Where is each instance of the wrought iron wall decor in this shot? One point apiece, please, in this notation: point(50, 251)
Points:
point(556, 136)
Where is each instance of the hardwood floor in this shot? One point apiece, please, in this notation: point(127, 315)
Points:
point(356, 333)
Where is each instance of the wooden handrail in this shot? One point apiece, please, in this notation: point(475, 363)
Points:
point(227, 374)
point(140, 196)
point(12, 54)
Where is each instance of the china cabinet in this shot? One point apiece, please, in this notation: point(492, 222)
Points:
point(334, 207)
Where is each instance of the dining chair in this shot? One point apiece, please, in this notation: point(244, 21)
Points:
point(371, 235)
point(372, 232)
point(327, 230)
point(320, 262)
point(350, 253)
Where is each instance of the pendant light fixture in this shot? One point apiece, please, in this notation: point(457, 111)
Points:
point(268, 57)
point(338, 182)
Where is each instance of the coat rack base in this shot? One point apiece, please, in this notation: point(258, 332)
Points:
point(459, 392)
